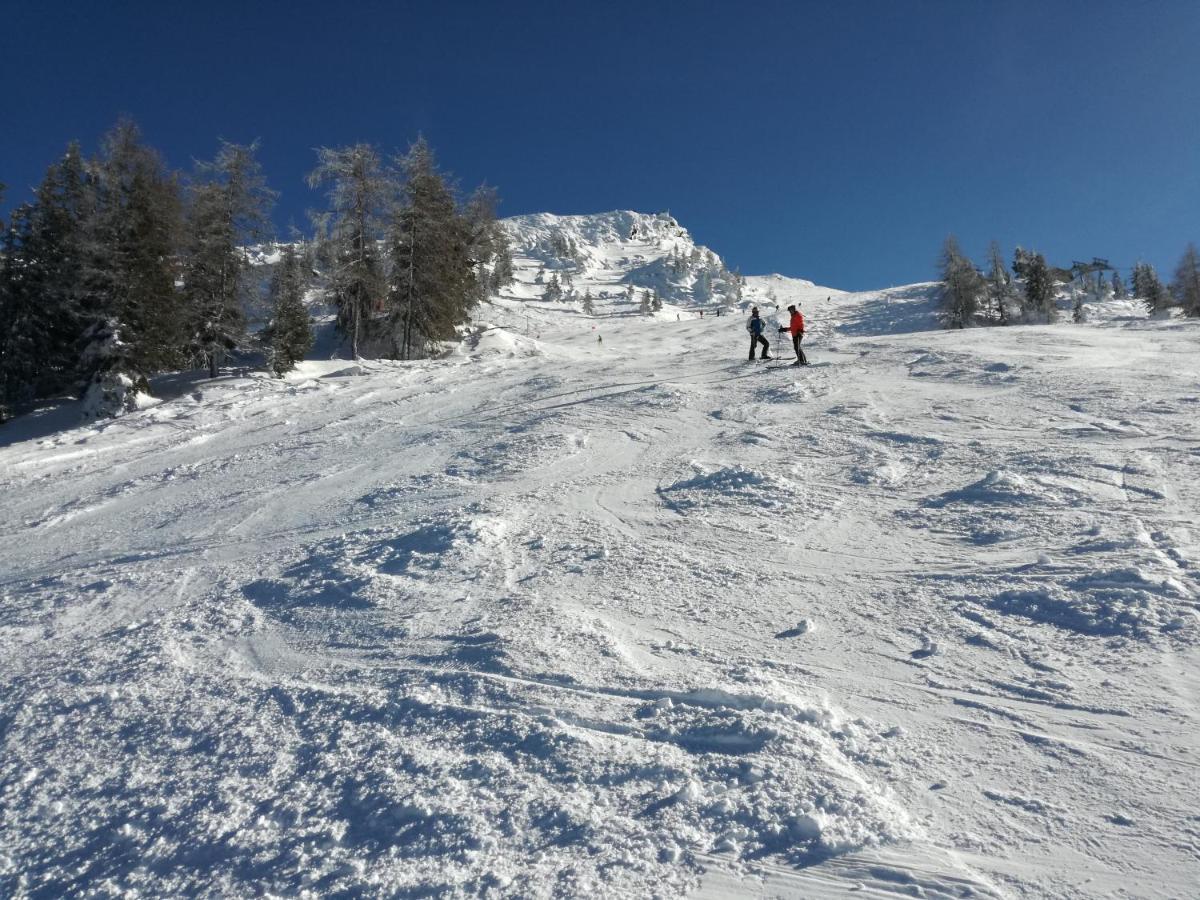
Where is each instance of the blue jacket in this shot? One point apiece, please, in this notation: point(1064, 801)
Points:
point(755, 326)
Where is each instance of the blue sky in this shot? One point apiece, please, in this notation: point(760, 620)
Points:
point(835, 141)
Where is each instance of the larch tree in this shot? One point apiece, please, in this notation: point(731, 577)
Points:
point(229, 209)
point(1118, 286)
point(1148, 288)
point(502, 266)
point(20, 320)
point(290, 334)
point(486, 240)
point(42, 309)
point(134, 314)
point(962, 286)
point(432, 281)
point(1039, 289)
point(644, 307)
point(999, 284)
point(554, 291)
point(1187, 281)
point(360, 194)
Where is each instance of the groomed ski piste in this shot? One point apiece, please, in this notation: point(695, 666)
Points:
point(592, 607)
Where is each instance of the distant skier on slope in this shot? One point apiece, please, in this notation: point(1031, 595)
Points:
point(755, 327)
point(796, 328)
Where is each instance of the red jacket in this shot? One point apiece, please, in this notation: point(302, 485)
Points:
point(796, 326)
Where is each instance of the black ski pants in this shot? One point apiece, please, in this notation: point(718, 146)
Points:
point(755, 339)
point(800, 357)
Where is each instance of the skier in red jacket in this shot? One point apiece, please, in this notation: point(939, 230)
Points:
point(796, 327)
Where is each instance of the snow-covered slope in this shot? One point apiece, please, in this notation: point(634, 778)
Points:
point(592, 607)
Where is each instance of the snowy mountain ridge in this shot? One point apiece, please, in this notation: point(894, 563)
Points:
point(623, 248)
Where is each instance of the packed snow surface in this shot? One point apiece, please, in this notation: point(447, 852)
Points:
point(592, 607)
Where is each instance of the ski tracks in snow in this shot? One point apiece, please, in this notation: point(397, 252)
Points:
point(559, 618)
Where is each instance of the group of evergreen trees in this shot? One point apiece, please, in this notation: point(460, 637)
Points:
point(1027, 293)
point(408, 259)
point(120, 268)
point(116, 271)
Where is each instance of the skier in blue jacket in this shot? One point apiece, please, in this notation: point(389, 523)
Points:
point(755, 327)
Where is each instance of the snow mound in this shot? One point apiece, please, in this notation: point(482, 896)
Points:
point(998, 487)
point(729, 485)
point(1121, 601)
point(495, 341)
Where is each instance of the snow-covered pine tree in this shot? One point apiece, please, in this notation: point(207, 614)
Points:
point(1148, 288)
point(43, 294)
point(589, 306)
point(999, 284)
point(290, 333)
point(629, 298)
point(20, 320)
point(962, 286)
point(229, 209)
point(1077, 296)
point(130, 301)
point(1039, 288)
point(554, 291)
point(656, 303)
point(360, 191)
point(645, 306)
point(1118, 286)
point(1187, 281)
point(502, 267)
point(115, 383)
point(432, 266)
point(486, 238)
point(5, 410)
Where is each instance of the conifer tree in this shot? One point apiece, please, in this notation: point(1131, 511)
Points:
point(229, 208)
point(290, 333)
point(554, 291)
point(432, 283)
point(486, 239)
point(962, 286)
point(5, 319)
point(42, 312)
point(629, 294)
point(1187, 281)
point(502, 267)
point(1149, 289)
point(656, 303)
point(1118, 286)
point(1039, 288)
point(360, 191)
point(645, 306)
point(21, 324)
point(999, 284)
point(132, 310)
point(589, 306)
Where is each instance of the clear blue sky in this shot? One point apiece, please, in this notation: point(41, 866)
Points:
point(835, 141)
